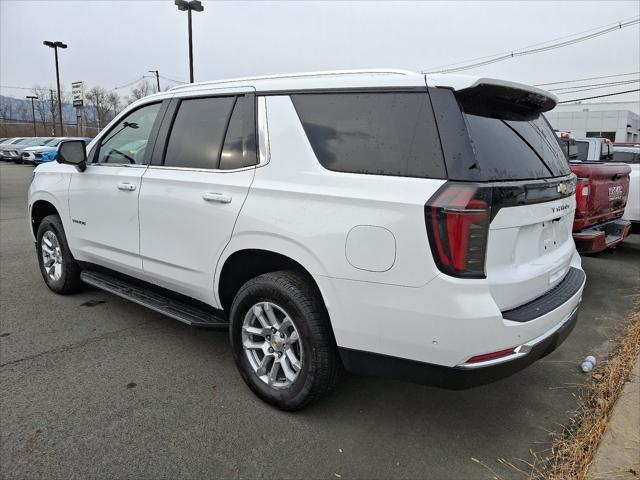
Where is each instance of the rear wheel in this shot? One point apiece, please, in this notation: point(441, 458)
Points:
point(59, 269)
point(282, 340)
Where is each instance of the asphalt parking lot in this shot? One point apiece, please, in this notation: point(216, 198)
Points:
point(92, 386)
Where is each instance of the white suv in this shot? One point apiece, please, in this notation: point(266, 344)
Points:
point(381, 222)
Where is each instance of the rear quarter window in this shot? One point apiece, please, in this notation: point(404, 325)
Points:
point(389, 133)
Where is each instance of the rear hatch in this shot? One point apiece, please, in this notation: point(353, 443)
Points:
point(601, 194)
point(503, 153)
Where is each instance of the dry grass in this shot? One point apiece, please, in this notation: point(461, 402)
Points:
point(574, 448)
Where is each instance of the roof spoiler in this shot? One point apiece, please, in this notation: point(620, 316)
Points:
point(502, 96)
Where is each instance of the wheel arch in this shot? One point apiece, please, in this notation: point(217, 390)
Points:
point(39, 210)
point(243, 264)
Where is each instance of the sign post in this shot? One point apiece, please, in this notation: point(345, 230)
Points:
point(77, 93)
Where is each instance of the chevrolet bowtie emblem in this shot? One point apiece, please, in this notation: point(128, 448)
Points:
point(562, 188)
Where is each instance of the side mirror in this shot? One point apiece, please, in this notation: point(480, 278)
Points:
point(73, 152)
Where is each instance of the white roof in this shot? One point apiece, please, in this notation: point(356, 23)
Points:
point(369, 78)
point(316, 80)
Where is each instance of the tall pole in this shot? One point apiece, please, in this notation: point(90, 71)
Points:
point(55, 46)
point(53, 120)
point(33, 114)
point(55, 49)
point(193, 5)
point(155, 72)
point(190, 49)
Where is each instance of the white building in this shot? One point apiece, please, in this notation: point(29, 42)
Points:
point(617, 121)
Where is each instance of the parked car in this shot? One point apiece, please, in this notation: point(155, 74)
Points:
point(629, 153)
point(14, 152)
point(601, 193)
point(9, 144)
point(383, 221)
point(46, 153)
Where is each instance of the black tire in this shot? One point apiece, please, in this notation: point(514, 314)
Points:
point(69, 280)
point(296, 294)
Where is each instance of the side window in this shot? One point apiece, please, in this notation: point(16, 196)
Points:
point(373, 133)
point(240, 142)
point(198, 132)
point(126, 143)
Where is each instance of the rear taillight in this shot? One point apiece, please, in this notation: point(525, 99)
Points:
point(457, 219)
point(583, 189)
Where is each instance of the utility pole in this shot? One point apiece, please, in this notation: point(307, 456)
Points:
point(157, 79)
point(56, 45)
point(196, 6)
point(33, 113)
point(53, 120)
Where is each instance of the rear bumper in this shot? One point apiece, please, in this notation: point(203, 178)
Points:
point(602, 236)
point(461, 376)
point(429, 334)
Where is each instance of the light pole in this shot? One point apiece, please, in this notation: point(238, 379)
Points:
point(155, 72)
point(196, 6)
point(33, 113)
point(56, 45)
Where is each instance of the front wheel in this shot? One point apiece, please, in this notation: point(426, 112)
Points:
point(282, 340)
point(59, 269)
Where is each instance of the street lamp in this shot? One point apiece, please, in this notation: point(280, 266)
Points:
point(33, 113)
point(56, 46)
point(196, 6)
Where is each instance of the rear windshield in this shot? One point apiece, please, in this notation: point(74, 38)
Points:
point(583, 151)
point(570, 148)
point(605, 152)
point(516, 149)
point(373, 133)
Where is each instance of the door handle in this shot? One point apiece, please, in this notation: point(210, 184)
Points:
point(126, 186)
point(216, 197)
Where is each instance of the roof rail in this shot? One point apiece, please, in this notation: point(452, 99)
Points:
point(329, 73)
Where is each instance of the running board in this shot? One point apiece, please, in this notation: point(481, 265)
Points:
point(176, 309)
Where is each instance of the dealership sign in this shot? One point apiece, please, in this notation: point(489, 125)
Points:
point(77, 93)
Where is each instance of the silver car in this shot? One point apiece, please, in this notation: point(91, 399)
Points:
point(13, 151)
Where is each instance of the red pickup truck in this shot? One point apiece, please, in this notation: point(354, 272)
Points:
point(601, 193)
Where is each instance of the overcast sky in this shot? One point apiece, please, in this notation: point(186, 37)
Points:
point(112, 43)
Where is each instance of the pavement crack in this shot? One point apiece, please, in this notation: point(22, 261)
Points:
point(73, 346)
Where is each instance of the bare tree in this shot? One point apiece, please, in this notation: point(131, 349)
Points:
point(51, 102)
point(143, 89)
point(6, 108)
point(41, 104)
point(97, 98)
point(113, 99)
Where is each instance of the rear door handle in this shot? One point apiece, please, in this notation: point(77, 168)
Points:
point(126, 186)
point(216, 197)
